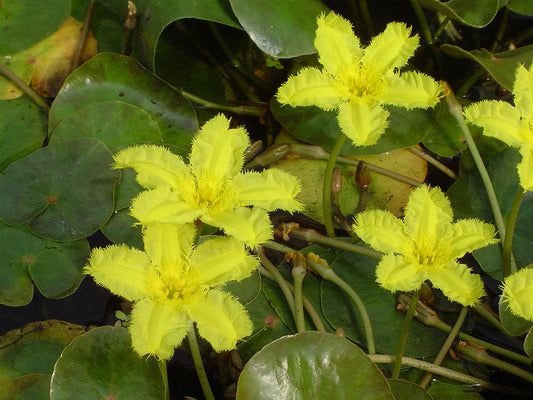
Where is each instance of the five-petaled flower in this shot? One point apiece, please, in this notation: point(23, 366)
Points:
point(212, 187)
point(517, 292)
point(173, 283)
point(358, 81)
point(426, 245)
point(511, 124)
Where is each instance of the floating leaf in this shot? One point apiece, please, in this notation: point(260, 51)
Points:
point(111, 77)
point(114, 123)
point(285, 30)
point(312, 365)
point(22, 129)
point(102, 364)
point(405, 390)
point(524, 7)
point(528, 344)
point(501, 66)
point(444, 137)
point(475, 13)
point(35, 348)
point(27, 387)
point(64, 191)
point(24, 23)
point(156, 15)
point(445, 391)
point(25, 259)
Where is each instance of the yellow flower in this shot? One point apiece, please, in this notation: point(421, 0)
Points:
point(172, 284)
point(518, 293)
point(426, 245)
point(358, 81)
point(212, 187)
point(511, 124)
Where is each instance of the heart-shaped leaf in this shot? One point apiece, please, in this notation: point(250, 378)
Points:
point(65, 190)
point(405, 390)
point(102, 364)
point(475, 13)
point(312, 365)
point(524, 7)
point(27, 387)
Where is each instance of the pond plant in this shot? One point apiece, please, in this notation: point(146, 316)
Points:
point(182, 209)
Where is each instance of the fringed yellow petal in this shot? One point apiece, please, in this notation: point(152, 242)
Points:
point(120, 269)
point(381, 230)
point(271, 189)
point(498, 119)
point(218, 150)
point(391, 48)
point(394, 273)
point(311, 87)
point(523, 91)
point(525, 167)
point(428, 214)
point(222, 259)
point(467, 235)
point(169, 244)
point(156, 166)
point(458, 283)
point(162, 206)
point(157, 328)
point(251, 226)
point(411, 90)
point(518, 293)
point(338, 47)
point(221, 320)
point(363, 123)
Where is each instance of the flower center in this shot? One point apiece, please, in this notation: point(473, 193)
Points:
point(212, 194)
point(363, 82)
point(428, 254)
point(174, 285)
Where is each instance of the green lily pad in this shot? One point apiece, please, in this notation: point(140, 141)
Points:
point(405, 390)
point(25, 259)
point(156, 15)
point(22, 25)
point(524, 7)
point(312, 365)
point(121, 229)
point(315, 126)
point(111, 77)
point(27, 387)
point(247, 289)
point(284, 29)
point(528, 344)
point(445, 391)
point(101, 364)
point(475, 13)
point(64, 191)
point(115, 123)
point(444, 137)
point(501, 66)
point(22, 129)
point(469, 200)
point(35, 348)
point(359, 272)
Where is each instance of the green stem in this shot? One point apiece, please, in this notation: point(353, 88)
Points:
point(329, 275)
point(446, 346)
point(456, 111)
point(162, 364)
point(509, 228)
point(282, 283)
point(313, 236)
point(319, 325)
point(499, 34)
point(198, 364)
point(465, 87)
point(489, 316)
point(436, 163)
point(326, 188)
point(130, 24)
point(441, 27)
point(448, 373)
point(363, 6)
point(298, 272)
point(76, 60)
point(403, 335)
point(242, 110)
point(28, 91)
point(422, 21)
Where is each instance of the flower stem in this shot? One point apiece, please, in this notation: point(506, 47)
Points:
point(326, 188)
point(162, 364)
point(509, 228)
point(28, 91)
point(363, 6)
point(448, 373)
point(198, 365)
point(329, 275)
point(403, 335)
point(76, 60)
point(441, 27)
point(422, 21)
point(433, 161)
point(446, 346)
point(242, 110)
point(298, 272)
